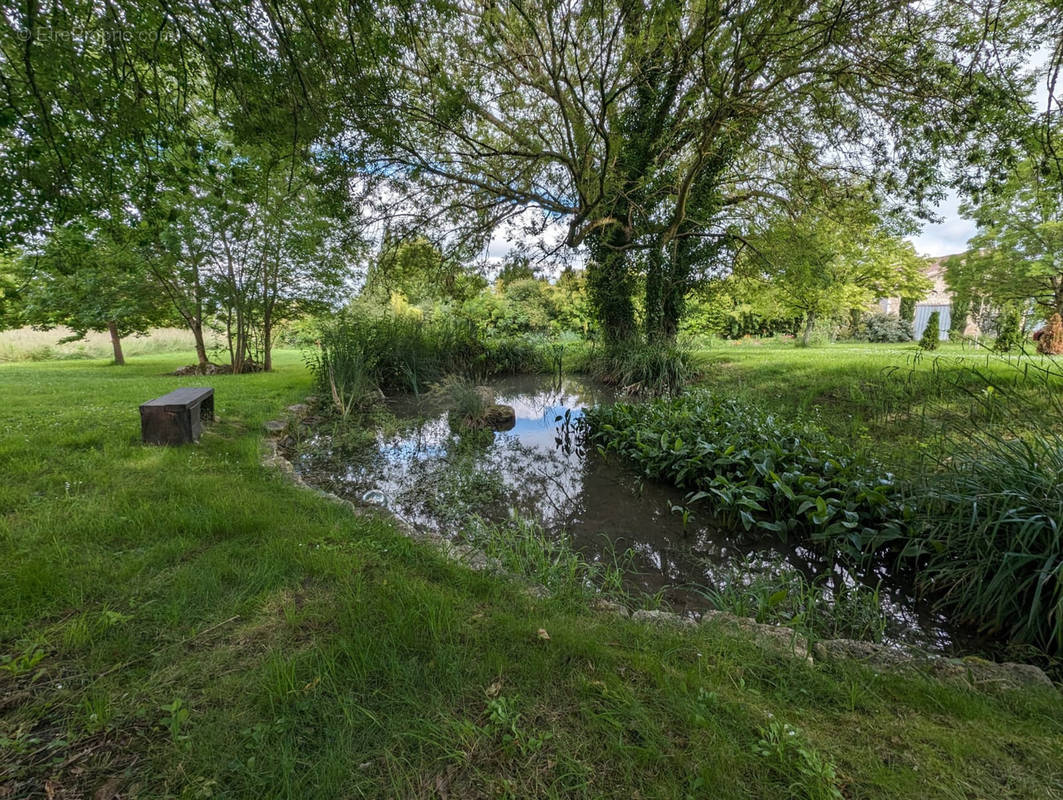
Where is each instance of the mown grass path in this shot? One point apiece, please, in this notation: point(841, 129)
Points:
point(186, 623)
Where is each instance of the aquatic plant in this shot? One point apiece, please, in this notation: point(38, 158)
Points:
point(395, 353)
point(827, 606)
point(460, 397)
point(341, 369)
point(761, 471)
point(523, 547)
point(642, 368)
point(987, 537)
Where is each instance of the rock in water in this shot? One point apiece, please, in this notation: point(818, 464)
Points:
point(499, 417)
point(375, 497)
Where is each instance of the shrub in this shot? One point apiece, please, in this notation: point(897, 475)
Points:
point(879, 327)
point(1050, 340)
point(932, 332)
point(1009, 330)
point(752, 467)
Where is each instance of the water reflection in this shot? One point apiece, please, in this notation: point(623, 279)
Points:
point(435, 474)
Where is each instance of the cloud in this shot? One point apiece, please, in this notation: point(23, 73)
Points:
point(947, 237)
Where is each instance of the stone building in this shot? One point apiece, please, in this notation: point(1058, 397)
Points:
point(939, 298)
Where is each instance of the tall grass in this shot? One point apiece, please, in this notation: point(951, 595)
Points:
point(989, 537)
point(642, 368)
point(27, 344)
point(524, 548)
point(781, 595)
point(341, 369)
point(396, 354)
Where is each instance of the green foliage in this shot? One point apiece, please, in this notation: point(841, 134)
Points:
point(81, 278)
point(523, 548)
point(831, 258)
point(880, 327)
point(341, 367)
point(458, 395)
point(803, 772)
point(932, 332)
point(753, 468)
point(782, 595)
point(1017, 255)
point(987, 537)
point(1009, 330)
point(639, 368)
point(421, 273)
point(960, 313)
point(907, 310)
point(393, 353)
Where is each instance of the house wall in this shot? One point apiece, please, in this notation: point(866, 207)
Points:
point(938, 299)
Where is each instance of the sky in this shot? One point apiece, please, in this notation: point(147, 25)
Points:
point(947, 237)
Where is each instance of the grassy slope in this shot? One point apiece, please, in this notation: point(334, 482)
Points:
point(894, 393)
point(318, 654)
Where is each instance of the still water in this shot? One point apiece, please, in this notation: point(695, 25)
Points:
point(437, 475)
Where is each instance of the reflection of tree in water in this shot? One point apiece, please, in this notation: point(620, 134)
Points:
point(438, 475)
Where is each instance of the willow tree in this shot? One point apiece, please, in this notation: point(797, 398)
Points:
point(653, 131)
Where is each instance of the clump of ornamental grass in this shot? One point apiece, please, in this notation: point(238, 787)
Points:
point(637, 367)
point(987, 538)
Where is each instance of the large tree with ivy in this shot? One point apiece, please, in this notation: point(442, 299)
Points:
point(653, 132)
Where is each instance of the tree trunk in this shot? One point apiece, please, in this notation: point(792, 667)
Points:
point(201, 345)
point(267, 339)
point(609, 284)
point(810, 323)
point(116, 343)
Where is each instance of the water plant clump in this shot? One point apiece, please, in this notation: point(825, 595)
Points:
point(829, 606)
point(358, 356)
point(641, 368)
point(987, 537)
point(758, 470)
point(524, 547)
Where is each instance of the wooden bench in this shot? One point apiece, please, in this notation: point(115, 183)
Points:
point(177, 417)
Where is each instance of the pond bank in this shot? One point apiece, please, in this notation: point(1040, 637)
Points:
point(969, 671)
point(438, 476)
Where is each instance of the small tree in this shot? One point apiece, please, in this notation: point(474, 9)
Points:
point(932, 332)
point(81, 278)
point(1009, 330)
point(1050, 342)
point(907, 310)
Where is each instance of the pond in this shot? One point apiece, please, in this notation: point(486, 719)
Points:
point(437, 475)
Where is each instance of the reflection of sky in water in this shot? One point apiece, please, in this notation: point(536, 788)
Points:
point(547, 476)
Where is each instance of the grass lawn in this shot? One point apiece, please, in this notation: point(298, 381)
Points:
point(894, 396)
point(185, 623)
